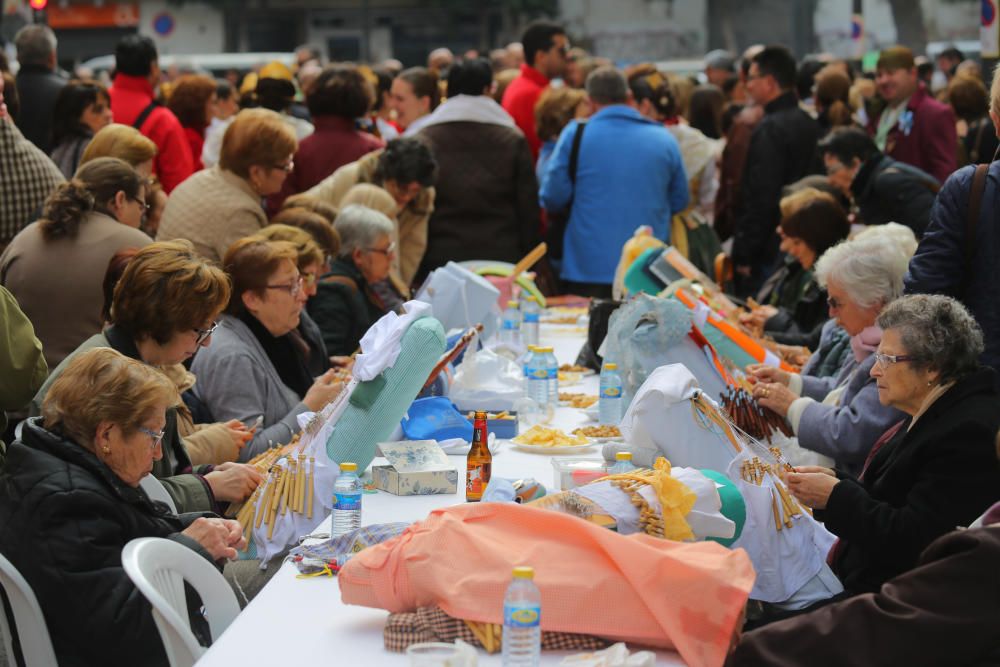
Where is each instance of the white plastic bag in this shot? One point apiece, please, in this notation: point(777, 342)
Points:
point(486, 380)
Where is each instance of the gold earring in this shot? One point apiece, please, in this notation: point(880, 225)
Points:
point(106, 449)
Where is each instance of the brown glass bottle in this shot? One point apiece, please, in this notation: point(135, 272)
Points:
point(479, 463)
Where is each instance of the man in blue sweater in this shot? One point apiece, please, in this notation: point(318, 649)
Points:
point(628, 173)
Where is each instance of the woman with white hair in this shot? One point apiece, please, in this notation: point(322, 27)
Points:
point(840, 416)
point(345, 305)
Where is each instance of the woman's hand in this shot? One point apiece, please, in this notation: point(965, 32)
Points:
point(342, 362)
point(819, 469)
point(765, 373)
point(238, 433)
point(221, 538)
point(812, 489)
point(233, 482)
point(322, 391)
point(775, 396)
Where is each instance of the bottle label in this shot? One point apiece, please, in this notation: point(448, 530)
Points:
point(531, 318)
point(522, 615)
point(611, 392)
point(552, 373)
point(540, 373)
point(510, 325)
point(347, 501)
point(477, 476)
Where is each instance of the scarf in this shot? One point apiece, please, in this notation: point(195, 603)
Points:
point(472, 109)
point(865, 343)
point(287, 353)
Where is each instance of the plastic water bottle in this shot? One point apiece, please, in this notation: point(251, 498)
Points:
point(510, 325)
point(346, 500)
point(537, 378)
point(522, 619)
point(529, 327)
point(623, 464)
point(552, 371)
point(609, 406)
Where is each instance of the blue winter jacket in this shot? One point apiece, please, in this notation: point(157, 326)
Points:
point(629, 173)
point(938, 267)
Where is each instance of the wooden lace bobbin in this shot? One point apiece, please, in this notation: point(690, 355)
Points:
point(265, 503)
point(312, 473)
point(774, 510)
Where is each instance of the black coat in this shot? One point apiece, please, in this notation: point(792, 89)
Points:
point(887, 190)
point(801, 304)
point(344, 307)
point(921, 484)
point(38, 88)
point(64, 519)
point(782, 150)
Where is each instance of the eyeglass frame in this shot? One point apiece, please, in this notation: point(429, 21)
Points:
point(388, 251)
point(288, 167)
point(146, 206)
point(203, 334)
point(293, 289)
point(157, 436)
point(883, 361)
point(833, 303)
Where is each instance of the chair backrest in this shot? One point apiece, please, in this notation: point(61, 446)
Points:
point(159, 568)
point(156, 491)
point(33, 633)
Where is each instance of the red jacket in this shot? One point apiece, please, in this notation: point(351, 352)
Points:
point(196, 141)
point(519, 101)
point(173, 162)
point(335, 142)
point(929, 140)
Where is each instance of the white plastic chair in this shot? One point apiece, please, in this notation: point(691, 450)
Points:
point(156, 491)
point(159, 568)
point(36, 645)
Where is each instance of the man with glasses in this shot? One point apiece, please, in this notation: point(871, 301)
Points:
point(545, 49)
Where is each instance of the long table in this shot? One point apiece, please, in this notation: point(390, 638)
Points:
point(303, 621)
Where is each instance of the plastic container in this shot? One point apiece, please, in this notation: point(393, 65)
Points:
point(530, 313)
point(522, 620)
point(623, 464)
point(609, 404)
point(346, 500)
point(571, 473)
point(510, 325)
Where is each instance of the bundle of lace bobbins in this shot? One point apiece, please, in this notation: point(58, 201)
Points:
point(753, 419)
point(284, 489)
point(754, 471)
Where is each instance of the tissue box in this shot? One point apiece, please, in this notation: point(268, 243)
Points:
point(416, 468)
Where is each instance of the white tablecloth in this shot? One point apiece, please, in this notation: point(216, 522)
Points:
point(302, 621)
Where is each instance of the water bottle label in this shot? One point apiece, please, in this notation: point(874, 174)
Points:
point(522, 615)
point(540, 373)
point(531, 318)
point(510, 325)
point(347, 501)
point(611, 392)
point(552, 373)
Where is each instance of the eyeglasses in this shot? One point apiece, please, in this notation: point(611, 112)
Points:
point(144, 205)
point(287, 167)
point(293, 289)
point(309, 279)
point(884, 360)
point(203, 334)
point(834, 304)
point(157, 436)
point(387, 251)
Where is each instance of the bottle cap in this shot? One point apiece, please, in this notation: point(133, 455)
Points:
point(531, 297)
point(623, 456)
point(512, 304)
point(524, 572)
point(348, 467)
point(544, 350)
point(480, 414)
point(533, 348)
point(611, 366)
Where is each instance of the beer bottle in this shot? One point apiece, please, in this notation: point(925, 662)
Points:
point(479, 463)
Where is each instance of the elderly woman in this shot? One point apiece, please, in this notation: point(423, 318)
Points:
point(82, 109)
point(70, 501)
point(345, 305)
point(841, 416)
point(793, 306)
point(163, 311)
point(125, 143)
point(393, 291)
point(257, 365)
point(215, 207)
point(54, 267)
point(934, 470)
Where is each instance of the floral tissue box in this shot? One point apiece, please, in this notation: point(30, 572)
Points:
point(416, 468)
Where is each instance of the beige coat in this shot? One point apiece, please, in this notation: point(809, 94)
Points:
point(412, 221)
point(212, 209)
point(59, 283)
point(205, 443)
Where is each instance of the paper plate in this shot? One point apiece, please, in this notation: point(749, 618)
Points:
point(542, 449)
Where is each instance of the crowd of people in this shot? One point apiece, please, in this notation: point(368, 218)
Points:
point(187, 263)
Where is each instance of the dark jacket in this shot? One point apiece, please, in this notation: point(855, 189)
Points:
point(887, 190)
point(38, 88)
point(919, 485)
point(938, 267)
point(979, 143)
point(929, 140)
point(943, 612)
point(782, 150)
point(729, 199)
point(801, 305)
point(64, 519)
point(487, 194)
point(344, 307)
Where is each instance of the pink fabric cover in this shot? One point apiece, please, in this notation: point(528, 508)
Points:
point(633, 588)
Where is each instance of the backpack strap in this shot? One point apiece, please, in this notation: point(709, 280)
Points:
point(144, 114)
point(972, 222)
point(574, 153)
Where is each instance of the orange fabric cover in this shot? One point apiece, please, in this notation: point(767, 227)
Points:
point(634, 588)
